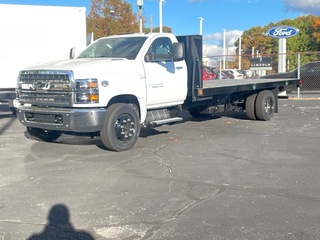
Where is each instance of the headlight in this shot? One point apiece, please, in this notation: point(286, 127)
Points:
point(87, 91)
point(87, 84)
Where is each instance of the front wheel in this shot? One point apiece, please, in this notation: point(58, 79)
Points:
point(43, 135)
point(121, 127)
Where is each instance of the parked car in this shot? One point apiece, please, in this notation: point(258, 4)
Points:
point(246, 73)
point(207, 74)
point(219, 74)
point(228, 73)
point(236, 73)
point(309, 75)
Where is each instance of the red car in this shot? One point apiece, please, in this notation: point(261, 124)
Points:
point(207, 74)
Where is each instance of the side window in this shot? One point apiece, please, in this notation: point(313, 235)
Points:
point(161, 47)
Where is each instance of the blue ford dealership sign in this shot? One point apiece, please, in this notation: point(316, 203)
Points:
point(283, 32)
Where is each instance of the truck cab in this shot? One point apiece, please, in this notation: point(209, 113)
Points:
point(111, 88)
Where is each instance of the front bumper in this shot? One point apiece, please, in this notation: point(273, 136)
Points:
point(62, 119)
point(7, 94)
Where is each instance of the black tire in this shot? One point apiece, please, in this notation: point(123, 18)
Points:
point(265, 105)
point(250, 107)
point(43, 135)
point(121, 127)
point(196, 112)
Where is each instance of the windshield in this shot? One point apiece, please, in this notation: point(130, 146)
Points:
point(123, 47)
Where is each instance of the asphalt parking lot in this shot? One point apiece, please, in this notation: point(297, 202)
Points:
point(223, 178)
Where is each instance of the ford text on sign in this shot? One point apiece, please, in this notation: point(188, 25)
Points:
point(283, 32)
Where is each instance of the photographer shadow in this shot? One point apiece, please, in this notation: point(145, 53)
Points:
point(59, 227)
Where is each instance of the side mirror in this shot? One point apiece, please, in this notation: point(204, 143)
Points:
point(149, 57)
point(177, 51)
point(72, 53)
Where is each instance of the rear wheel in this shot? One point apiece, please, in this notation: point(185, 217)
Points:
point(250, 106)
point(265, 105)
point(121, 127)
point(43, 135)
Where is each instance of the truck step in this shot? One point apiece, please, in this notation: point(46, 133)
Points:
point(166, 121)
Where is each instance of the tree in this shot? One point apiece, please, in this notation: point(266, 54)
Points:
point(307, 40)
point(255, 39)
point(108, 17)
point(165, 29)
point(303, 42)
point(316, 29)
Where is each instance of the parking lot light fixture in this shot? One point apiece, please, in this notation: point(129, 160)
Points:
point(224, 48)
point(201, 20)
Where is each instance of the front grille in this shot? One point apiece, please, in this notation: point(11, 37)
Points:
point(45, 97)
point(44, 87)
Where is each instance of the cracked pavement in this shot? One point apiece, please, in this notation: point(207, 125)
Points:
point(223, 178)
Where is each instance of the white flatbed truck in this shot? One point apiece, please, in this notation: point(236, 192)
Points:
point(119, 84)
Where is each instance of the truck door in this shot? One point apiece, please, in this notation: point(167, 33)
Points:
point(166, 79)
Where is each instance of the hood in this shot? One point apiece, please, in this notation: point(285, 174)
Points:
point(82, 64)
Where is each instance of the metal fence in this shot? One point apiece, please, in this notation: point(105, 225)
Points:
point(295, 63)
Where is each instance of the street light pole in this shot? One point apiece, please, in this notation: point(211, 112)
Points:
point(160, 15)
point(224, 49)
point(239, 53)
point(140, 4)
point(201, 20)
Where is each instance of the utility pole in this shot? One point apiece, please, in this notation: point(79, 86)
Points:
point(239, 53)
point(140, 4)
point(201, 20)
point(224, 49)
point(160, 15)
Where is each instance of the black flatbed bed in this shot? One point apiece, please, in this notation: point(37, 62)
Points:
point(228, 86)
point(199, 90)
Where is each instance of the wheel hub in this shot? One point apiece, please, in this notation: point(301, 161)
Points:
point(269, 105)
point(125, 128)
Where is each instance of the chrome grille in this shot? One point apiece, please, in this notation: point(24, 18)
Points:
point(52, 88)
point(32, 97)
